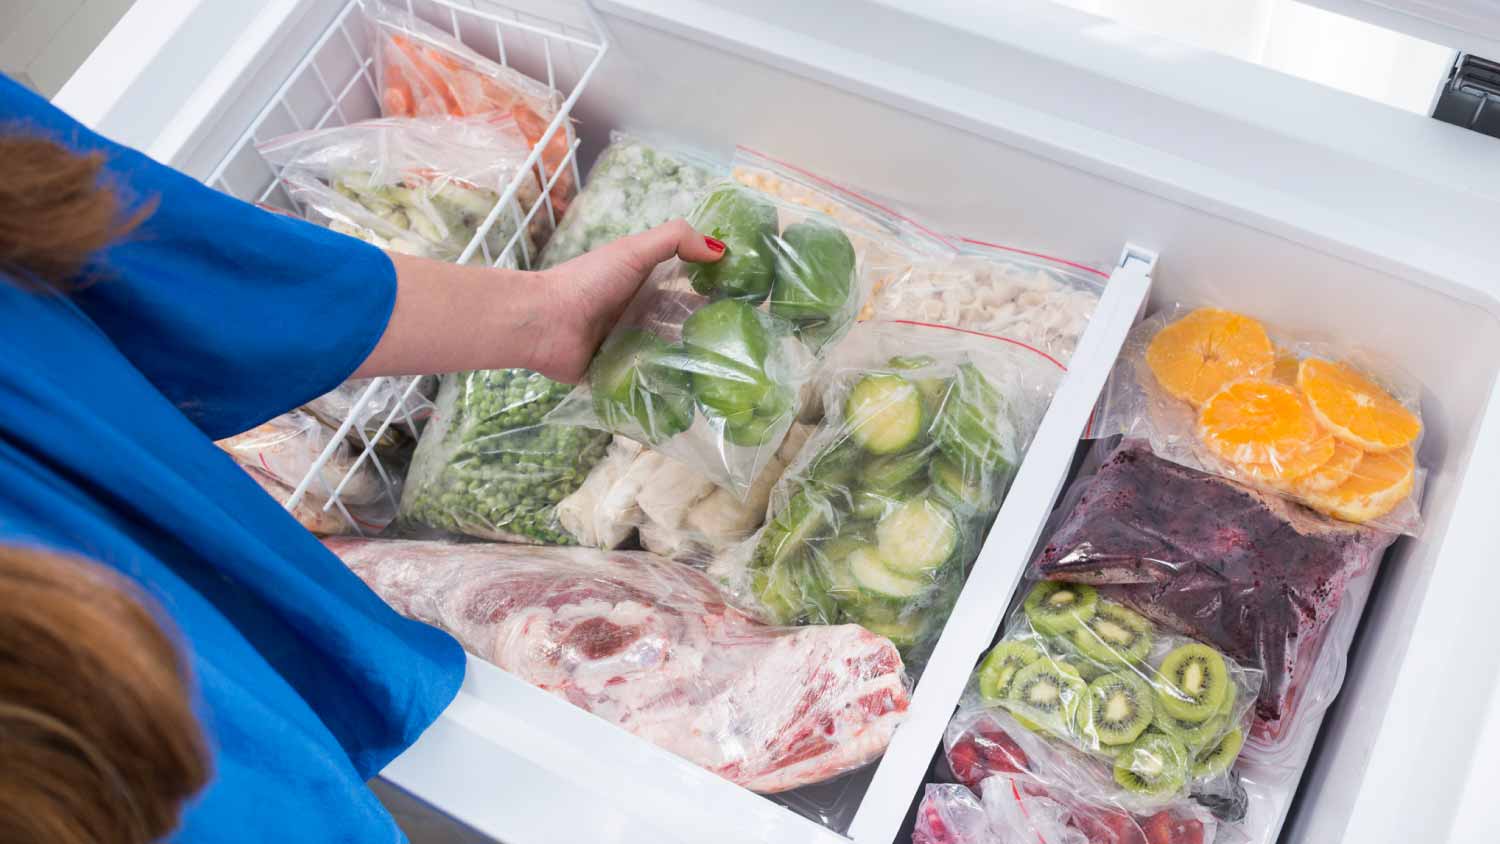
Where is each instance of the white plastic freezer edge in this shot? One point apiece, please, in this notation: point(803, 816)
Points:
point(977, 615)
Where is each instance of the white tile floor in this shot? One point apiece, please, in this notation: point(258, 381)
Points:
point(43, 41)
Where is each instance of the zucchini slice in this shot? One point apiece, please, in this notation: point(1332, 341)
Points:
point(917, 537)
point(887, 474)
point(884, 413)
point(969, 489)
point(903, 633)
point(875, 576)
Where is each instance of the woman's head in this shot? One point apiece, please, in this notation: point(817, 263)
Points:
point(97, 731)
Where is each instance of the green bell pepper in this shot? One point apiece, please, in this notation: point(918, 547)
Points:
point(745, 223)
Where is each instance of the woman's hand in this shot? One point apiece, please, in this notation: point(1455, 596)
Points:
point(450, 318)
point(591, 292)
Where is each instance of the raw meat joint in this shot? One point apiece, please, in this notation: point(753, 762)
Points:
point(649, 645)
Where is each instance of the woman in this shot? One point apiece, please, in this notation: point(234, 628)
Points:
point(142, 316)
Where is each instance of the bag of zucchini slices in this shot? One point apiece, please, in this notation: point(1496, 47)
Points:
point(886, 506)
point(1149, 716)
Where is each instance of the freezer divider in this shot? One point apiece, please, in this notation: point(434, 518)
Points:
point(977, 614)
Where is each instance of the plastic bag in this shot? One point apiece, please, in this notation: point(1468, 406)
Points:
point(1218, 391)
point(281, 452)
point(633, 186)
point(1029, 790)
point(1041, 301)
point(412, 406)
point(487, 466)
point(649, 645)
point(424, 72)
point(1251, 573)
point(696, 369)
point(884, 510)
point(1164, 712)
point(680, 513)
point(419, 186)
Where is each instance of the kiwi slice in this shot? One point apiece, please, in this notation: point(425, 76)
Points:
point(1192, 683)
point(1116, 710)
point(1217, 759)
point(1196, 736)
point(1154, 765)
point(1114, 635)
point(1000, 667)
point(1056, 608)
point(1046, 693)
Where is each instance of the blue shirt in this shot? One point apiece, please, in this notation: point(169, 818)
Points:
point(211, 318)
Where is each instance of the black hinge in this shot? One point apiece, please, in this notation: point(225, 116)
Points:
point(1471, 96)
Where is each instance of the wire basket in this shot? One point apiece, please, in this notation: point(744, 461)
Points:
point(560, 44)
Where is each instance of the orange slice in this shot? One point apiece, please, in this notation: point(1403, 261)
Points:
point(1285, 368)
point(1355, 408)
point(1378, 483)
point(1334, 471)
point(1194, 357)
point(1292, 463)
point(1262, 422)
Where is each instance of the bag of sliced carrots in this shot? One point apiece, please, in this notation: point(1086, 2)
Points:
point(1337, 430)
point(422, 71)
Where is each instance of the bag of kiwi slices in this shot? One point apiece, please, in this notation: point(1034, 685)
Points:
point(1153, 715)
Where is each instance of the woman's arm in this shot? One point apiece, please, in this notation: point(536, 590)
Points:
point(449, 318)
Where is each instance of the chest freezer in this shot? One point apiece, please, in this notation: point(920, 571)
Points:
point(1196, 177)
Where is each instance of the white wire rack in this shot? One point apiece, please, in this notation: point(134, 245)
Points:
point(335, 84)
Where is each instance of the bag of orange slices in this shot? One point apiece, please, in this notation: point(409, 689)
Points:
point(1334, 429)
point(422, 71)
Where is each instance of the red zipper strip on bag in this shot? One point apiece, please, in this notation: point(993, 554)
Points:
point(1027, 815)
point(853, 194)
point(1065, 262)
point(1050, 359)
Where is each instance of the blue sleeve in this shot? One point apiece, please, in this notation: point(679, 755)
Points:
point(234, 313)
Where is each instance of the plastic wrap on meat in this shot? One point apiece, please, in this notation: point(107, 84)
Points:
point(1251, 573)
point(649, 645)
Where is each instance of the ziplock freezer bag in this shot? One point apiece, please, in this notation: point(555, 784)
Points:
point(1024, 795)
point(424, 72)
point(487, 466)
point(884, 510)
point(680, 512)
point(697, 369)
point(411, 404)
point(1034, 299)
point(1165, 713)
point(885, 240)
point(419, 186)
point(634, 185)
point(649, 645)
point(1327, 426)
point(281, 452)
point(1248, 572)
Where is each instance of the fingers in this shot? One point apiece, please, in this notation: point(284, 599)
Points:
point(675, 238)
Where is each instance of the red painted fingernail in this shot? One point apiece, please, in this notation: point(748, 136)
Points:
point(714, 243)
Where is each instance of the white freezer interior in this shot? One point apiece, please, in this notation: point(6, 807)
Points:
point(994, 141)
